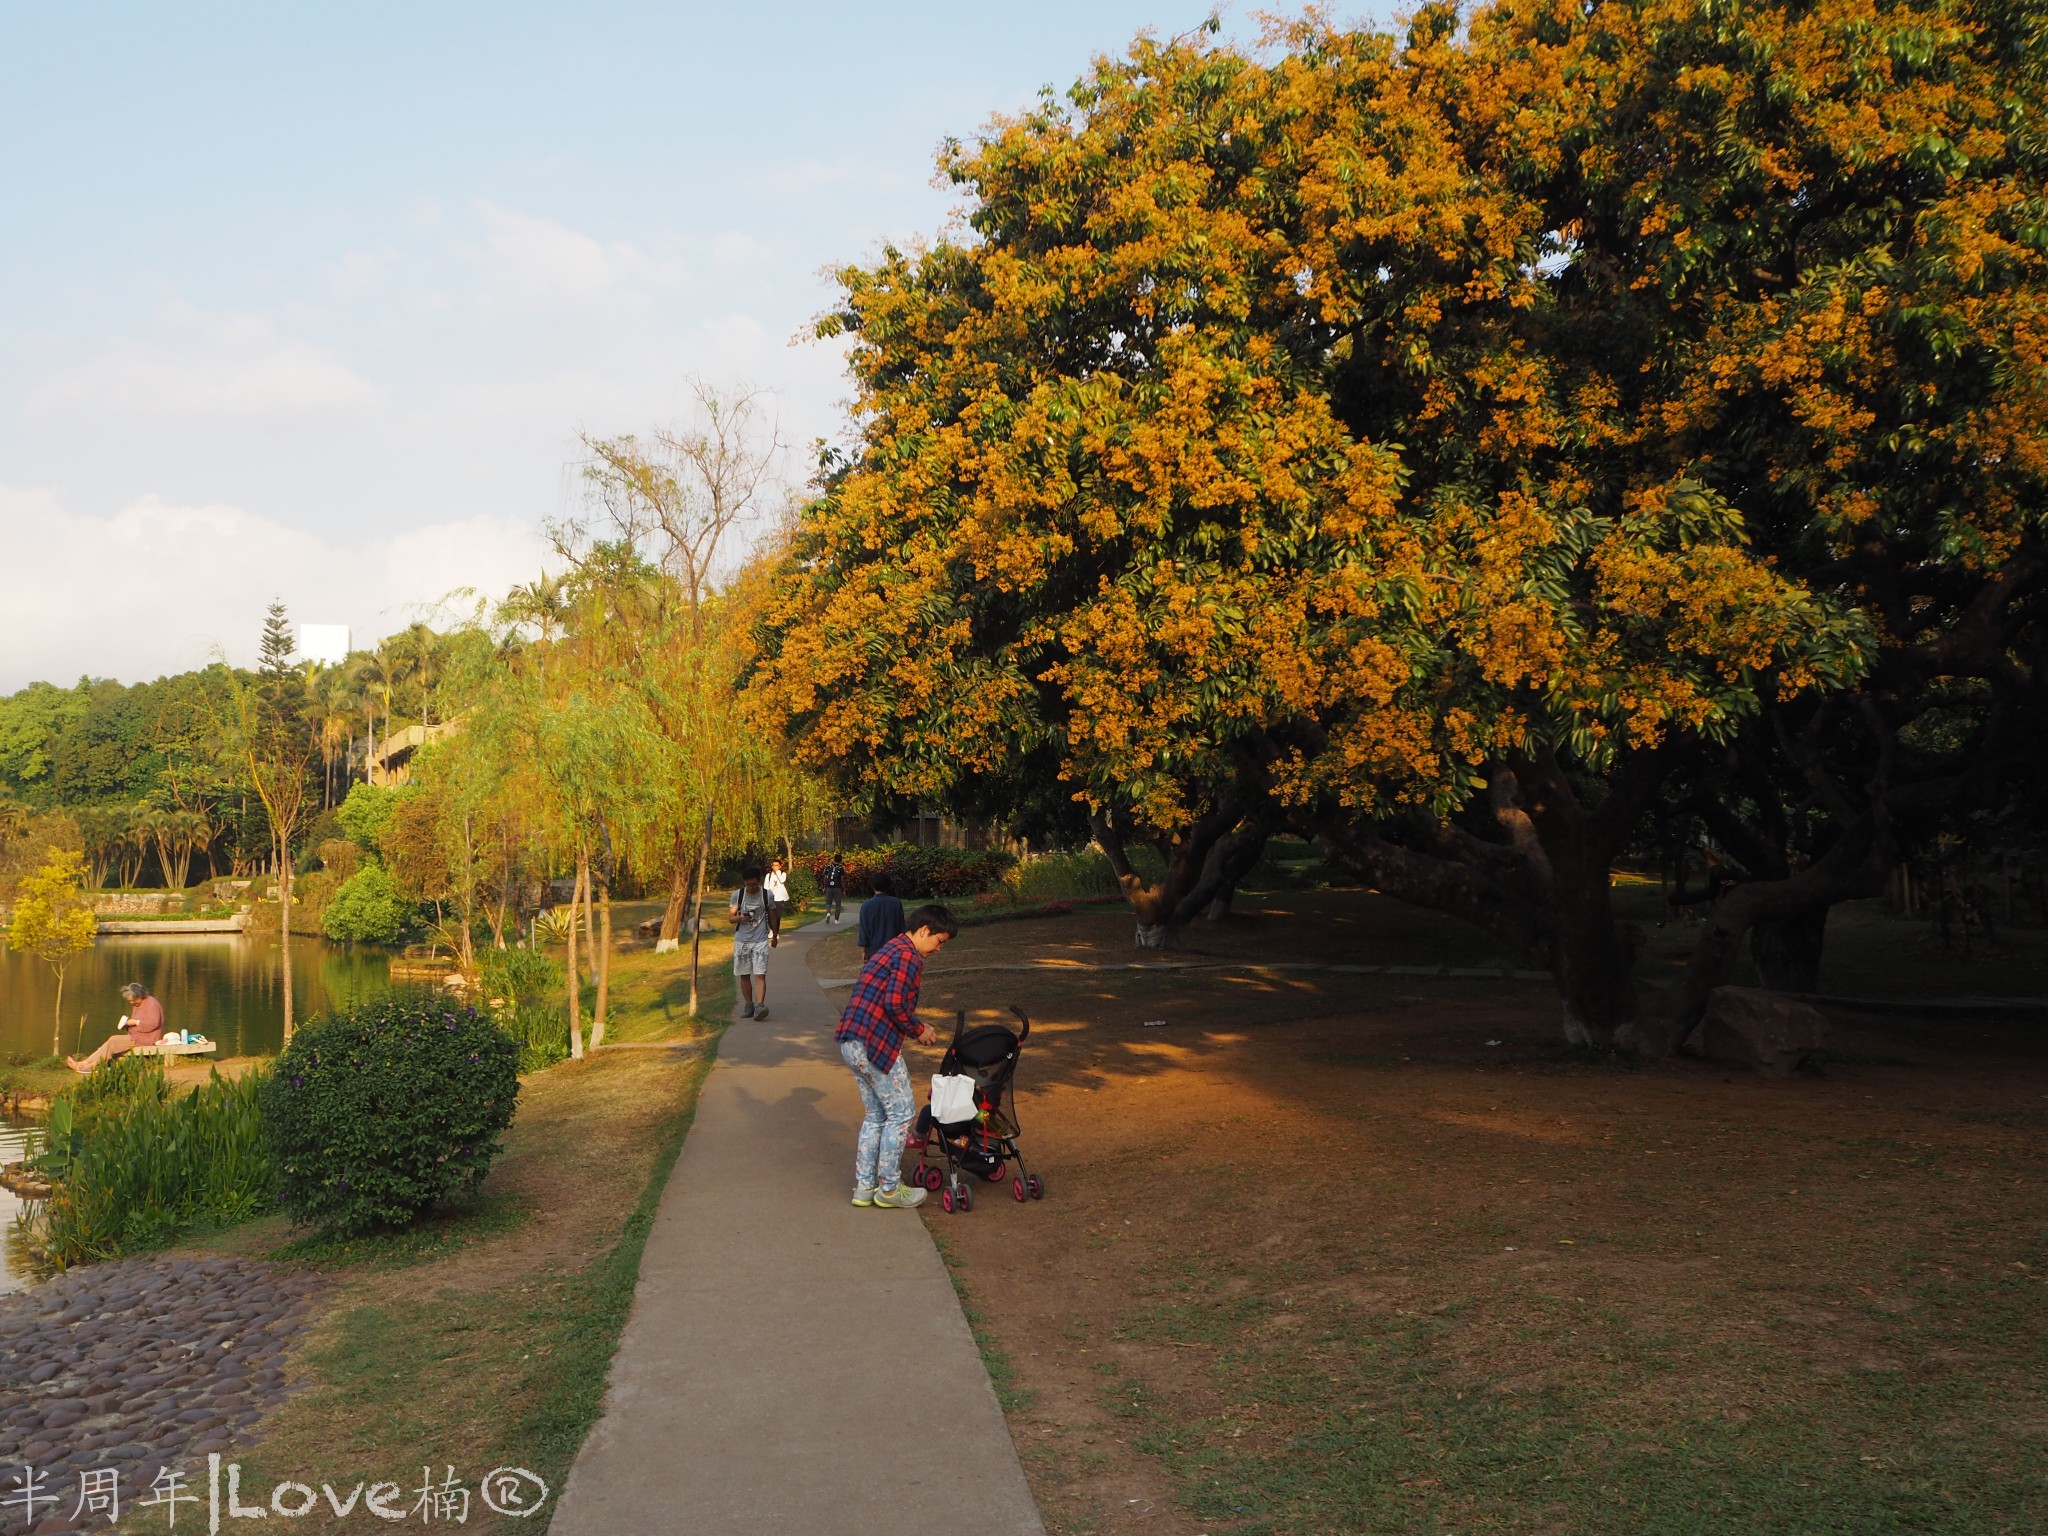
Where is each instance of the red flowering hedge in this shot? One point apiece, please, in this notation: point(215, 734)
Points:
point(916, 871)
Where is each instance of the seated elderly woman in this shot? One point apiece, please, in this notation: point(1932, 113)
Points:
point(145, 1023)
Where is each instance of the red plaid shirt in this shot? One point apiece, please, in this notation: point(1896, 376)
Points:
point(883, 1008)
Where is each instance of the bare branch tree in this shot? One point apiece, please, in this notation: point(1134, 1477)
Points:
point(683, 490)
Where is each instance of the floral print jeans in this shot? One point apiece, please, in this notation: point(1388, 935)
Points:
point(878, 1156)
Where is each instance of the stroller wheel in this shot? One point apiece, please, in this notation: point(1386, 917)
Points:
point(946, 1202)
point(933, 1178)
point(1037, 1187)
point(964, 1201)
point(1020, 1189)
point(995, 1174)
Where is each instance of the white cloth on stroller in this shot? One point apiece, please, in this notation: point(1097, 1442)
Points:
point(953, 1098)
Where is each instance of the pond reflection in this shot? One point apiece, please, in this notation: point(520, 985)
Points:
point(16, 1270)
point(228, 986)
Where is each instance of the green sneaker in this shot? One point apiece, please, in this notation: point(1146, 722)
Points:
point(901, 1198)
point(863, 1197)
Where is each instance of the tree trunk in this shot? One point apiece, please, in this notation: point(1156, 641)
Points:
point(678, 897)
point(468, 895)
point(495, 915)
point(1787, 950)
point(601, 961)
point(697, 911)
point(575, 988)
point(1197, 860)
point(1596, 960)
point(1543, 888)
point(284, 929)
point(57, 1021)
point(1229, 862)
point(1854, 866)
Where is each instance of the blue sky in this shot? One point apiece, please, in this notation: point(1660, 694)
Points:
point(313, 301)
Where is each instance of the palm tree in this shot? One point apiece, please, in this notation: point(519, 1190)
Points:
point(542, 602)
point(136, 837)
point(422, 651)
point(365, 695)
point(383, 671)
point(178, 834)
point(100, 828)
point(330, 712)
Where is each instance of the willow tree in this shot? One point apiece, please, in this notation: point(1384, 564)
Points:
point(666, 510)
point(592, 756)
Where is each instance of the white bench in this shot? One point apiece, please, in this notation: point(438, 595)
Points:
point(174, 1048)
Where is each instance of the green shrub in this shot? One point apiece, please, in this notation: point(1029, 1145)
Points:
point(312, 895)
point(137, 1163)
point(520, 975)
point(368, 909)
point(523, 988)
point(916, 871)
point(540, 1030)
point(365, 813)
point(381, 1111)
point(1060, 877)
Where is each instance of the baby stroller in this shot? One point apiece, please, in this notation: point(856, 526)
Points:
point(984, 1145)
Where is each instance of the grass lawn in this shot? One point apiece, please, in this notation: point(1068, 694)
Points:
point(482, 1338)
point(1357, 1253)
point(34, 1081)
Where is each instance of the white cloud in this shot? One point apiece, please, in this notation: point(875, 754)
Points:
point(230, 369)
point(528, 263)
point(156, 588)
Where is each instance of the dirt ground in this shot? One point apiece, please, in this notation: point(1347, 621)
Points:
point(1325, 1252)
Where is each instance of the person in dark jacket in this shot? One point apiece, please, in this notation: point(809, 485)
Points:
point(834, 882)
point(881, 917)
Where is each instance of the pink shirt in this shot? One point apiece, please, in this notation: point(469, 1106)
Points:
point(145, 1022)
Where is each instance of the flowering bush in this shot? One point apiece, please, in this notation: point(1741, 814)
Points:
point(381, 1111)
point(916, 871)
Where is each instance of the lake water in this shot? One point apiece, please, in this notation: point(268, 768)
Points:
point(14, 1267)
point(227, 986)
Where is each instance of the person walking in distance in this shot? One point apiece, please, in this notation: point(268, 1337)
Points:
point(756, 929)
point(776, 883)
point(834, 882)
point(881, 917)
point(879, 1017)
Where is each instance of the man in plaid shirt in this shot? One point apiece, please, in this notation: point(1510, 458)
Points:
point(882, 1010)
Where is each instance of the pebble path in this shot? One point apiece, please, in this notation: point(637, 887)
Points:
point(135, 1366)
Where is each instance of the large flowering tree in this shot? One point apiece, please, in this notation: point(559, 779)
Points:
point(1442, 444)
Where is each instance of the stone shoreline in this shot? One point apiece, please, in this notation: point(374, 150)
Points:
point(137, 1366)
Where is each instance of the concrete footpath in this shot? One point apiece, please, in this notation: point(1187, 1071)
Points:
point(791, 1363)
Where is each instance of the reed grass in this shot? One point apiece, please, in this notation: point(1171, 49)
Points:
point(138, 1164)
